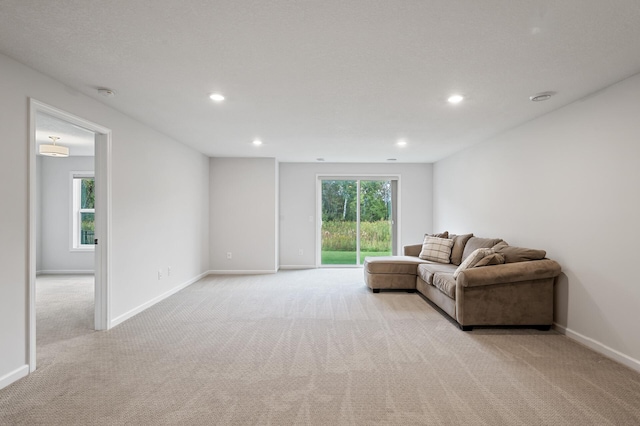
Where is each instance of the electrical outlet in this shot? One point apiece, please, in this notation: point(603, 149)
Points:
point(159, 274)
point(300, 252)
point(168, 271)
point(229, 255)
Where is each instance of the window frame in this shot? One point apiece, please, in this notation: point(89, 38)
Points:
point(76, 212)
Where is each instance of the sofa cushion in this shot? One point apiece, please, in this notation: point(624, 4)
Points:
point(436, 249)
point(392, 264)
point(459, 241)
point(492, 259)
point(472, 259)
point(444, 234)
point(426, 271)
point(475, 243)
point(519, 254)
point(445, 283)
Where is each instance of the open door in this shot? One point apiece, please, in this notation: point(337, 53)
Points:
point(102, 219)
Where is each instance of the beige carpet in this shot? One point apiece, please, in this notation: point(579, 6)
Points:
point(64, 312)
point(316, 348)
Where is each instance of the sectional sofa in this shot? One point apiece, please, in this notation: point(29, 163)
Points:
point(475, 281)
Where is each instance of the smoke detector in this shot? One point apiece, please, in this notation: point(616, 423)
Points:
point(544, 96)
point(107, 93)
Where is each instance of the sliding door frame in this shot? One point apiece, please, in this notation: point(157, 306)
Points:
point(396, 242)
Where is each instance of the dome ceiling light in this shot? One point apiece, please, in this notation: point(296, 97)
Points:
point(53, 150)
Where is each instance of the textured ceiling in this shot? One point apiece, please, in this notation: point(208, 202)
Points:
point(341, 80)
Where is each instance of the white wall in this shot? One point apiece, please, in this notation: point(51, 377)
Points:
point(568, 183)
point(39, 210)
point(54, 212)
point(298, 203)
point(159, 207)
point(244, 207)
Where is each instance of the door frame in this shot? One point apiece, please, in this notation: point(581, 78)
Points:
point(102, 171)
point(357, 176)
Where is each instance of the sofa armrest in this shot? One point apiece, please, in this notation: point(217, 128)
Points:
point(412, 250)
point(509, 273)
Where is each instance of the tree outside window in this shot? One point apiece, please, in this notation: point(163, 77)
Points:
point(83, 211)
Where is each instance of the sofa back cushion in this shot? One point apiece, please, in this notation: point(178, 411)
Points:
point(459, 241)
point(519, 254)
point(436, 249)
point(475, 243)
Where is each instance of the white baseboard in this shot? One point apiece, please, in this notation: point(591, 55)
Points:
point(133, 312)
point(13, 376)
point(66, 272)
point(242, 272)
point(599, 347)
point(295, 267)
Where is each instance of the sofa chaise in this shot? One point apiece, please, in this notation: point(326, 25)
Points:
point(475, 281)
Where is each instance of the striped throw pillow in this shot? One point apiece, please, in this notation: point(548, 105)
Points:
point(436, 249)
point(476, 256)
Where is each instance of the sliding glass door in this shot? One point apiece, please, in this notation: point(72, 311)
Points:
point(357, 220)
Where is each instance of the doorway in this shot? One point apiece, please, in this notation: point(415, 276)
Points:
point(358, 219)
point(82, 200)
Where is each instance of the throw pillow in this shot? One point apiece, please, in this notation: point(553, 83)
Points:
point(520, 254)
point(436, 249)
point(472, 259)
point(492, 259)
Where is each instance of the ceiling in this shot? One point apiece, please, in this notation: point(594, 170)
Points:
point(332, 79)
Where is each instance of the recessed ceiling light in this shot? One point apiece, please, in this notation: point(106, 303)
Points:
point(257, 142)
point(319, 159)
point(401, 142)
point(455, 99)
point(217, 97)
point(544, 96)
point(392, 159)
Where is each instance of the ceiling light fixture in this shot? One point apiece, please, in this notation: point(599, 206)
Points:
point(544, 96)
point(392, 159)
point(217, 97)
point(401, 142)
point(257, 142)
point(455, 99)
point(54, 150)
point(319, 159)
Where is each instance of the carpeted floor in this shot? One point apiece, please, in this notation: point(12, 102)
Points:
point(313, 348)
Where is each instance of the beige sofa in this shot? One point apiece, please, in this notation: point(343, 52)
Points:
point(518, 292)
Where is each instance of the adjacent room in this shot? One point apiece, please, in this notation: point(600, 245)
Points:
point(192, 192)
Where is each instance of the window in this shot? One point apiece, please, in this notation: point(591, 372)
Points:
point(83, 211)
point(358, 219)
